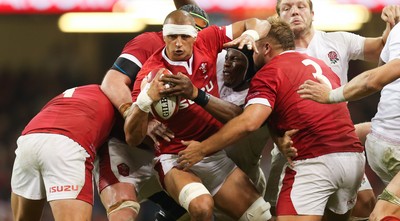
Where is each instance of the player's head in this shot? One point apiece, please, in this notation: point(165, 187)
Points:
point(238, 68)
point(199, 15)
point(280, 38)
point(179, 33)
point(298, 13)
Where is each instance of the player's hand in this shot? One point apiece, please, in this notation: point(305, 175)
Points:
point(240, 42)
point(285, 145)
point(316, 91)
point(157, 129)
point(154, 87)
point(391, 14)
point(191, 155)
point(180, 85)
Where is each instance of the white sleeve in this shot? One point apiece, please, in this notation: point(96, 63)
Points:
point(229, 31)
point(355, 45)
point(392, 47)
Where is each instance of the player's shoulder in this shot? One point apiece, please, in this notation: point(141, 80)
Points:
point(335, 35)
point(150, 37)
point(150, 34)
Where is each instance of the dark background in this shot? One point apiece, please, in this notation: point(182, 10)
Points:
point(37, 62)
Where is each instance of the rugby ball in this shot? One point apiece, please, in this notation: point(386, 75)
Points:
point(166, 107)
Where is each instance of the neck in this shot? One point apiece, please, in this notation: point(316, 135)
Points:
point(303, 39)
point(242, 86)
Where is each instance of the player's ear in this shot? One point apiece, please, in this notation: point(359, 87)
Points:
point(267, 47)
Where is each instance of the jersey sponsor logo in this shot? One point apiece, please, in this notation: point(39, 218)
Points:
point(63, 188)
point(333, 57)
point(185, 103)
point(123, 169)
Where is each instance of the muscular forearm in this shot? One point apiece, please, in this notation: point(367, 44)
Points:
point(116, 86)
point(135, 126)
point(250, 120)
point(262, 27)
point(222, 110)
point(372, 81)
point(229, 134)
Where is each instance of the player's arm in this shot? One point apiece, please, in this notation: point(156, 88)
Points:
point(220, 109)
point(250, 120)
point(135, 125)
point(373, 46)
point(117, 82)
point(183, 87)
point(137, 116)
point(248, 31)
point(180, 3)
point(115, 86)
point(360, 86)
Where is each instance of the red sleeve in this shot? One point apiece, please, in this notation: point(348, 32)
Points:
point(144, 45)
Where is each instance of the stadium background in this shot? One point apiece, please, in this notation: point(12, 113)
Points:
point(39, 61)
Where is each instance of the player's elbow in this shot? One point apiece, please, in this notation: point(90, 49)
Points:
point(250, 126)
point(373, 84)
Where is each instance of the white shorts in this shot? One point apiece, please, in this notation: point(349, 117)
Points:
point(383, 157)
point(118, 162)
point(52, 166)
point(212, 170)
point(330, 181)
point(278, 161)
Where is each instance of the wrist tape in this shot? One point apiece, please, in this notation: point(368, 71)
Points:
point(336, 95)
point(254, 34)
point(144, 101)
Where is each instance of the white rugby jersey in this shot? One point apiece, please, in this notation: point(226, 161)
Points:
point(386, 122)
point(336, 49)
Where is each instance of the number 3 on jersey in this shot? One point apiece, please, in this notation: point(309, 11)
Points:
point(318, 72)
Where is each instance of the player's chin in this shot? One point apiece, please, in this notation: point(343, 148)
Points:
point(180, 56)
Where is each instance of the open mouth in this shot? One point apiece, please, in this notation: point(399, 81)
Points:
point(179, 52)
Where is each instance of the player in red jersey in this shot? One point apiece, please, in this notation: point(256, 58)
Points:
point(337, 49)
point(216, 180)
point(55, 155)
point(330, 163)
point(121, 172)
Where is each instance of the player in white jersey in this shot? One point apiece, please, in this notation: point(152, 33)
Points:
point(383, 143)
point(336, 49)
point(233, 83)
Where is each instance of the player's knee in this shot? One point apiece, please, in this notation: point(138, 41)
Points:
point(366, 199)
point(364, 206)
point(197, 200)
point(120, 205)
point(258, 211)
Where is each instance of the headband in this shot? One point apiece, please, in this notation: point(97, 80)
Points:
point(171, 29)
